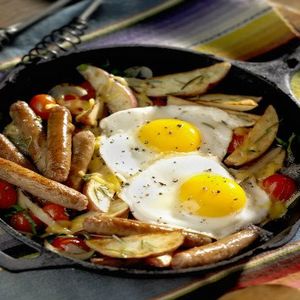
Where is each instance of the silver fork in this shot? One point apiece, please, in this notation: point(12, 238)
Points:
point(61, 39)
point(7, 34)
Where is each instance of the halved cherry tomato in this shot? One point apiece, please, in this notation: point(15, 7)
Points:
point(159, 102)
point(279, 186)
point(20, 221)
point(40, 105)
point(56, 212)
point(8, 195)
point(67, 244)
point(91, 93)
point(235, 142)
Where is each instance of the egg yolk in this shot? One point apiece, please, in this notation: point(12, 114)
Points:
point(168, 135)
point(210, 195)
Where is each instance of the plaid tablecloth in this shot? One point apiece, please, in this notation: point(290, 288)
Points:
point(239, 29)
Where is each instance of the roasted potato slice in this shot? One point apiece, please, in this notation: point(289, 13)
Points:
point(137, 246)
point(226, 97)
point(266, 166)
point(250, 119)
point(187, 84)
point(242, 105)
point(162, 261)
point(143, 100)
point(258, 140)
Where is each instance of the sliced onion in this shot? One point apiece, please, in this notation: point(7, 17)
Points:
point(84, 255)
point(59, 91)
point(26, 203)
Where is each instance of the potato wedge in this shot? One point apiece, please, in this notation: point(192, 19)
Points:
point(242, 105)
point(143, 100)
point(257, 142)
point(162, 261)
point(116, 95)
point(187, 84)
point(137, 246)
point(226, 98)
point(172, 100)
point(266, 166)
point(249, 119)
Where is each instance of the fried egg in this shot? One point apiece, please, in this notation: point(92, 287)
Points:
point(133, 139)
point(196, 193)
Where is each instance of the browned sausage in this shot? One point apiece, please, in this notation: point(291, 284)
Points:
point(102, 224)
point(82, 152)
point(59, 143)
point(10, 152)
point(217, 251)
point(40, 186)
point(30, 126)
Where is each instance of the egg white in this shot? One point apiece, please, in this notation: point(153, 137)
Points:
point(125, 154)
point(152, 196)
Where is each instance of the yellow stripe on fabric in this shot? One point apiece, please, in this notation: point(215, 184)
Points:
point(254, 38)
point(257, 262)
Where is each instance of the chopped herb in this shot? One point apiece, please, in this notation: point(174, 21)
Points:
point(208, 125)
point(192, 80)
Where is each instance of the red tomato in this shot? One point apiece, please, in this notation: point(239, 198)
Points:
point(159, 102)
point(66, 243)
point(8, 195)
point(39, 105)
point(20, 222)
point(235, 142)
point(279, 186)
point(56, 212)
point(91, 93)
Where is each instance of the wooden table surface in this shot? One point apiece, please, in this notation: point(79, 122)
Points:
point(14, 11)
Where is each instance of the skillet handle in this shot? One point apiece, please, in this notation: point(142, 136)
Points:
point(277, 71)
point(44, 258)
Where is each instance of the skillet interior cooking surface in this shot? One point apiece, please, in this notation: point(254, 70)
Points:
point(23, 83)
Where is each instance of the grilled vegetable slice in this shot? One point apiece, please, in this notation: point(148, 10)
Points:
point(258, 140)
point(137, 246)
point(190, 83)
point(264, 167)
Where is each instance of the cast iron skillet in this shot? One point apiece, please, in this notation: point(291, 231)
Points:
point(270, 80)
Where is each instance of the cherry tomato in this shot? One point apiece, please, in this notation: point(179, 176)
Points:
point(279, 186)
point(66, 243)
point(20, 222)
point(8, 195)
point(39, 105)
point(91, 93)
point(159, 102)
point(56, 212)
point(235, 142)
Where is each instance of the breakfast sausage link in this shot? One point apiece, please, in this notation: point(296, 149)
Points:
point(82, 152)
point(101, 224)
point(10, 152)
point(30, 126)
point(217, 251)
point(40, 186)
point(59, 143)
